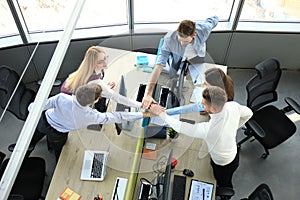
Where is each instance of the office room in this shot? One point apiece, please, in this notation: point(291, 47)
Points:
point(42, 42)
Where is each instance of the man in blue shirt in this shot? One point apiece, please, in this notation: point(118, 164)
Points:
point(64, 113)
point(187, 42)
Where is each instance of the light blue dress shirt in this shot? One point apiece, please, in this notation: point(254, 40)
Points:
point(172, 48)
point(65, 114)
point(196, 107)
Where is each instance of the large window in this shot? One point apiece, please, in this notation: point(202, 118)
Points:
point(45, 15)
point(52, 15)
point(270, 15)
point(271, 10)
point(7, 23)
point(176, 10)
point(97, 13)
point(45, 19)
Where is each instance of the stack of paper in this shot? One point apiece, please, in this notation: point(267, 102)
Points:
point(197, 94)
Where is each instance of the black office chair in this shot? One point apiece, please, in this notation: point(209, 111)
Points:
point(268, 125)
point(22, 97)
point(262, 192)
point(30, 179)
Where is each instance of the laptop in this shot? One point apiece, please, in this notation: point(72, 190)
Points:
point(94, 165)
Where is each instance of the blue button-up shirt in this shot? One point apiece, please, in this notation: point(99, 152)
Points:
point(196, 107)
point(172, 48)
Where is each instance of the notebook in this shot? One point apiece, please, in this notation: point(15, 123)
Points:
point(94, 165)
point(197, 94)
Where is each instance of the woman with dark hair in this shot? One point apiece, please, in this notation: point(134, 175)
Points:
point(216, 77)
point(213, 77)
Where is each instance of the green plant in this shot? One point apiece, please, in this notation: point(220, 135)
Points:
point(172, 133)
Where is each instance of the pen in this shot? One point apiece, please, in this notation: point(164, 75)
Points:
point(203, 194)
point(195, 81)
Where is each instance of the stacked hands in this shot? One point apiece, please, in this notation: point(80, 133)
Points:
point(152, 106)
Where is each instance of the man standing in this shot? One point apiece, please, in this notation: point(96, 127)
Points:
point(64, 113)
point(219, 132)
point(187, 42)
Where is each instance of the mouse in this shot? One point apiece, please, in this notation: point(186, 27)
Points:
point(188, 172)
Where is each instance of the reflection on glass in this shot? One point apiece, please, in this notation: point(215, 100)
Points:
point(43, 15)
point(177, 10)
point(97, 13)
point(271, 10)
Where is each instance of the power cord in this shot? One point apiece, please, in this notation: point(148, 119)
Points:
point(159, 166)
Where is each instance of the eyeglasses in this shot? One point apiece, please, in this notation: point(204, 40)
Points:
point(101, 62)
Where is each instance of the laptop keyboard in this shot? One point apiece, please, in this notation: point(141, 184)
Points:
point(97, 166)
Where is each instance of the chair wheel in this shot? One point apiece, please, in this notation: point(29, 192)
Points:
point(247, 132)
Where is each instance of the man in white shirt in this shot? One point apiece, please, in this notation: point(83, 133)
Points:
point(219, 132)
point(64, 113)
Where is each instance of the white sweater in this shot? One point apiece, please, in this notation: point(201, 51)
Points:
point(219, 132)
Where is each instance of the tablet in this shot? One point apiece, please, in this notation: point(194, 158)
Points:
point(200, 190)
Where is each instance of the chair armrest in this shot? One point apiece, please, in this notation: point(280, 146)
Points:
point(293, 104)
point(256, 128)
point(3, 88)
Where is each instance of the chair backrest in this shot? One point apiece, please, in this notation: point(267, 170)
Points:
point(30, 179)
point(262, 192)
point(22, 97)
point(261, 88)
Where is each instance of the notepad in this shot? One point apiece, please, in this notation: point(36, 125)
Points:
point(69, 194)
point(149, 154)
point(197, 73)
point(119, 188)
point(197, 94)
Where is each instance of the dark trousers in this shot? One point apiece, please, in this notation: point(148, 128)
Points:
point(101, 105)
point(55, 139)
point(223, 174)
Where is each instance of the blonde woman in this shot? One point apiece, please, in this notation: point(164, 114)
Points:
point(90, 70)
